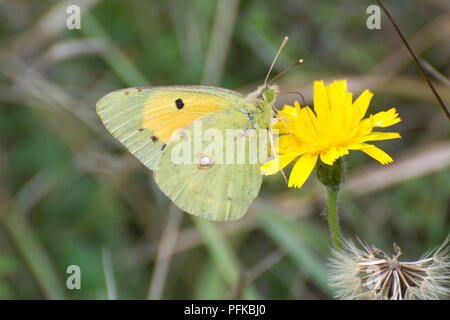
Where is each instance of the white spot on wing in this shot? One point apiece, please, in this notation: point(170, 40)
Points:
point(205, 161)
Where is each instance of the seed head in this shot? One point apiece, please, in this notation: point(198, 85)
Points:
point(369, 273)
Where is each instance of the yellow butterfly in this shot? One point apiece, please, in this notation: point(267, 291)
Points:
point(146, 120)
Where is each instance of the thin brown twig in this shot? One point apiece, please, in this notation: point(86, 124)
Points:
point(416, 60)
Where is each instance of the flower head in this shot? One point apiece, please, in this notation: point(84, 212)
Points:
point(335, 127)
point(369, 273)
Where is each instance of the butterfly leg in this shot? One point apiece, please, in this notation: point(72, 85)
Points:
point(275, 154)
point(282, 118)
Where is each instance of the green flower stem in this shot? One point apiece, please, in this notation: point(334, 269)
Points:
point(332, 176)
point(332, 215)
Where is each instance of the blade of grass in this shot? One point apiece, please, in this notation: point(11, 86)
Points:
point(34, 254)
point(434, 72)
point(283, 234)
point(264, 265)
point(108, 271)
point(313, 236)
point(187, 32)
point(165, 251)
point(49, 26)
point(125, 69)
point(220, 40)
point(211, 284)
point(222, 255)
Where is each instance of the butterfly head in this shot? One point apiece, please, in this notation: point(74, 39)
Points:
point(264, 95)
point(269, 93)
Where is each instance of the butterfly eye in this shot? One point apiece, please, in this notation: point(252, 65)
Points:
point(268, 95)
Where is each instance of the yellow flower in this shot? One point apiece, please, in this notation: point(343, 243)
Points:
point(335, 127)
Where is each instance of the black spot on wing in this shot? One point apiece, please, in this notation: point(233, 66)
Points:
point(163, 147)
point(154, 138)
point(179, 104)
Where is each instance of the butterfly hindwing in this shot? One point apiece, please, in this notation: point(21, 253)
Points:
point(220, 191)
point(144, 119)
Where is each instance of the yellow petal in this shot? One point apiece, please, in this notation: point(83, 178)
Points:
point(346, 112)
point(306, 125)
point(376, 136)
point(336, 92)
point(321, 106)
point(362, 103)
point(341, 87)
point(286, 118)
point(289, 109)
point(282, 126)
point(365, 127)
point(386, 118)
point(342, 151)
point(302, 169)
point(289, 112)
point(329, 156)
point(273, 166)
point(289, 144)
point(313, 119)
point(378, 154)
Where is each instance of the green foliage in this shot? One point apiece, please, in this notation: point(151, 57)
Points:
point(67, 190)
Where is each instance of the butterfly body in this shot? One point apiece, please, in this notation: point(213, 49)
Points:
point(147, 120)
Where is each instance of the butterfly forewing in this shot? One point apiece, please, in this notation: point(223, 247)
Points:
point(144, 119)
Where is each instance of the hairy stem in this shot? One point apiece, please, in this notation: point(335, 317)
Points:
point(332, 215)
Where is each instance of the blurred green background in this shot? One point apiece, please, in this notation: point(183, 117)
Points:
point(71, 195)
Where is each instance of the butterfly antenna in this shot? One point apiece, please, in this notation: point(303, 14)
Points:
point(284, 71)
point(285, 40)
point(295, 92)
point(275, 155)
